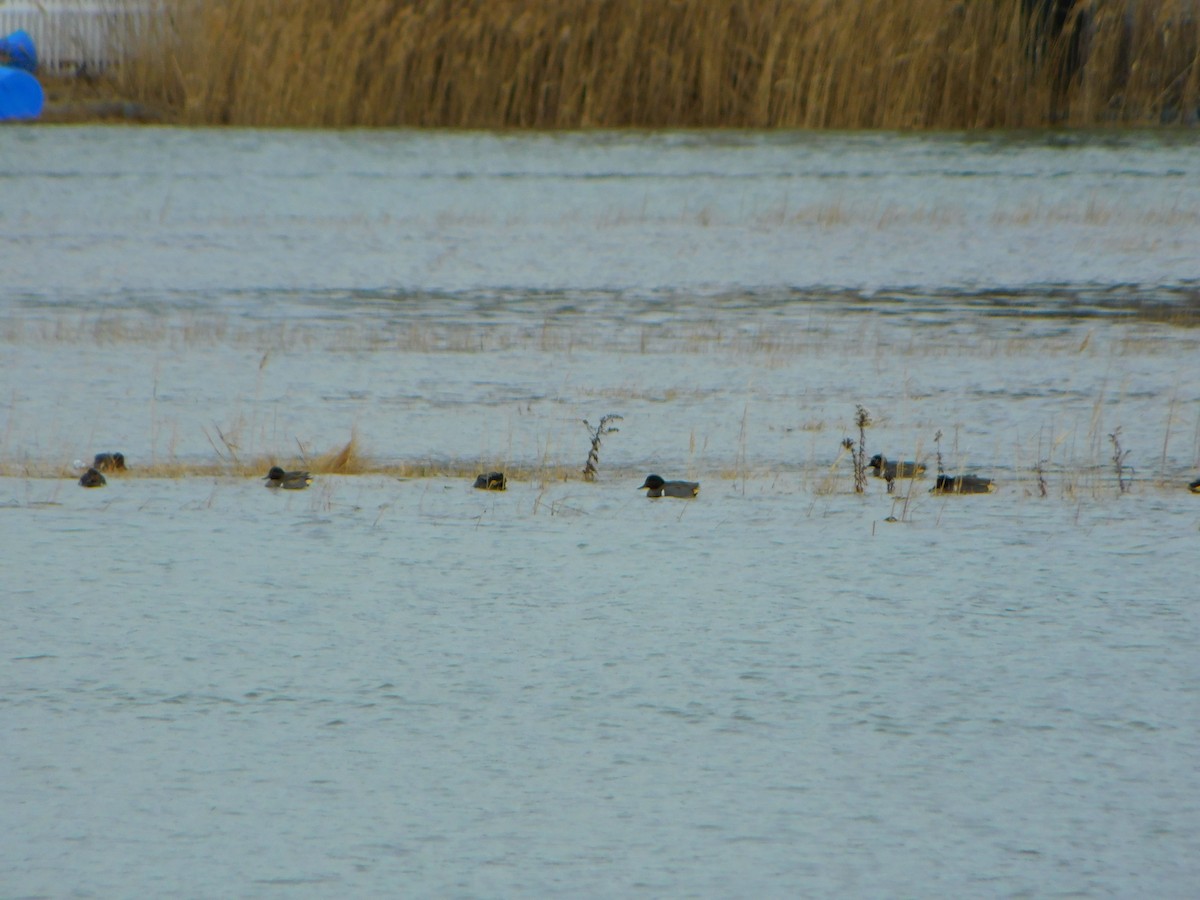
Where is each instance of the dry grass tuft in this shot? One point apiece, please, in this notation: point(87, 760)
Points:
point(346, 461)
point(684, 63)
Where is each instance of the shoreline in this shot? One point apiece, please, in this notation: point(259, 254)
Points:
point(91, 100)
point(81, 100)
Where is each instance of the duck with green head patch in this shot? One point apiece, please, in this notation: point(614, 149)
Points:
point(884, 468)
point(657, 487)
point(289, 481)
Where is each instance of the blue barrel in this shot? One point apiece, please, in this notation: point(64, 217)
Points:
point(21, 97)
point(17, 50)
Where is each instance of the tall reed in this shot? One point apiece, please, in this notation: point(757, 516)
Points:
point(663, 63)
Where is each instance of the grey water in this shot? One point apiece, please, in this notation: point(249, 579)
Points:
point(402, 686)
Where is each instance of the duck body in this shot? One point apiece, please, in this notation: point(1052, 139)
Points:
point(1194, 487)
point(963, 484)
point(657, 487)
point(289, 481)
point(491, 481)
point(109, 462)
point(92, 479)
point(883, 468)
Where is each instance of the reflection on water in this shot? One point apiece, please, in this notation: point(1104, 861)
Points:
point(768, 691)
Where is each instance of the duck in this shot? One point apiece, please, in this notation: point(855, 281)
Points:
point(92, 479)
point(491, 481)
point(657, 487)
point(1194, 487)
point(893, 470)
point(109, 462)
point(291, 481)
point(963, 484)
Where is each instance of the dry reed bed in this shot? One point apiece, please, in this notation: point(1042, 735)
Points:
point(668, 63)
point(256, 466)
point(349, 459)
point(1065, 481)
point(1064, 464)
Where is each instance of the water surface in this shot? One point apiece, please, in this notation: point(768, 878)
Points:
point(388, 684)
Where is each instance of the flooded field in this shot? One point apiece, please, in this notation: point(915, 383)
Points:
point(780, 688)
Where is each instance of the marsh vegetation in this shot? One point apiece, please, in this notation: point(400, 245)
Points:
point(894, 64)
point(445, 304)
point(764, 430)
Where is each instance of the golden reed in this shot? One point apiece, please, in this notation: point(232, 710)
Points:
point(670, 63)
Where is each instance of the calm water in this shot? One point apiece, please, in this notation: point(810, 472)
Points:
point(384, 686)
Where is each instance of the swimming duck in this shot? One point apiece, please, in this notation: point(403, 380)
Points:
point(893, 470)
point(291, 481)
point(109, 462)
point(91, 478)
point(962, 484)
point(1194, 487)
point(491, 481)
point(656, 487)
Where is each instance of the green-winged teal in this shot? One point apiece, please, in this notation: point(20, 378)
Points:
point(962, 484)
point(656, 487)
point(491, 481)
point(884, 468)
point(109, 462)
point(92, 478)
point(290, 481)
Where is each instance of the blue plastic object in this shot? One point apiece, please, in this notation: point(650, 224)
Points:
point(21, 97)
point(18, 51)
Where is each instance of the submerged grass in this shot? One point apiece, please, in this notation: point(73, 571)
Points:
point(257, 466)
point(683, 63)
point(1066, 476)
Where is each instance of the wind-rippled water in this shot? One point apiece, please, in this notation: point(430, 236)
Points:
point(404, 686)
